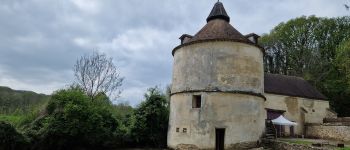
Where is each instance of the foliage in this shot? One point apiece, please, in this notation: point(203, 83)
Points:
point(73, 121)
point(342, 61)
point(97, 74)
point(295, 47)
point(151, 120)
point(337, 85)
point(307, 47)
point(10, 139)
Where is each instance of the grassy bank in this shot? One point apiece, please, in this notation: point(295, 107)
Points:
point(15, 120)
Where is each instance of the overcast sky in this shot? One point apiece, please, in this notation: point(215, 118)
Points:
point(40, 40)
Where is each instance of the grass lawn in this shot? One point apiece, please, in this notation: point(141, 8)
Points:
point(345, 148)
point(12, 119)
point(301, 142)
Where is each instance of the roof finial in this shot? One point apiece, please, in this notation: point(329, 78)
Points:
point(218, 12)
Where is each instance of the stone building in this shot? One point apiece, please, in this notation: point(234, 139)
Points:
point(296, 100)
point(220, 96)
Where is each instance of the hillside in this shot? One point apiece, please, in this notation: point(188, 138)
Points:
point(16, 105)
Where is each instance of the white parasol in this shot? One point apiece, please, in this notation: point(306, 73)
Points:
point(283, 121)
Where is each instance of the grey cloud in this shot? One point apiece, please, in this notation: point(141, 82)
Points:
point(41, 39)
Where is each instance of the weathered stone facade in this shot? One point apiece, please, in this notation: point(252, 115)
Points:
point(218, 72)
point(218, 66)
point(298, 109)
point(241, 115)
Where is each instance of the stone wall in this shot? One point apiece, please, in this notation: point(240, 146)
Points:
point(334, 131)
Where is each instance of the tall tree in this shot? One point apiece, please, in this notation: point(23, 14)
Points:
point(151, 120)
point(97, 74)
point(337, 85)
point(342, 61)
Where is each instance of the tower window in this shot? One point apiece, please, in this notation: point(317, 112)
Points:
point(184, 130)
point(196, 101)
point(177, 129)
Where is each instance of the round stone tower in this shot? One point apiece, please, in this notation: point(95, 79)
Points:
point(217, 90)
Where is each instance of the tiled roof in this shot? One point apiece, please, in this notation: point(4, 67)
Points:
point(291, 86)
point(218, 27)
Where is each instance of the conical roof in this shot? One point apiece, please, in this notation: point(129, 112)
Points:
point(218, 11)
point(217, 28)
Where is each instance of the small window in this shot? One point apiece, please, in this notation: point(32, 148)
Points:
point(184, 130)
point(196, 101)
point(177, 129)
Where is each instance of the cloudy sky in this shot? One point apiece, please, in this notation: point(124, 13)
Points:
point(40, 40)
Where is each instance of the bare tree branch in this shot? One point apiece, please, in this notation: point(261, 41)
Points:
point(97, 74)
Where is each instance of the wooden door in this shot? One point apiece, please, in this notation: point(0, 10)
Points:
point(220, 139)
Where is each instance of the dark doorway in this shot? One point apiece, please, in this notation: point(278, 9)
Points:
point(291, 131)
point(220, 139)
point(280, 130)
point(273, 113)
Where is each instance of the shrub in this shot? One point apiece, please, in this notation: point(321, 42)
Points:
point(10, 139)
point(74, 121)
point(151, 120)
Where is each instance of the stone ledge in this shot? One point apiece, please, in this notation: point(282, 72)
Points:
point(280, 145)
point(186, 147)
point(238, 146)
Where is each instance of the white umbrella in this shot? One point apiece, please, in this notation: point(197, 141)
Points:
point(283, 121)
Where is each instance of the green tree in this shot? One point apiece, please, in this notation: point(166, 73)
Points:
point(342, 61)
point(297, 46)
point(151, 120)
point(337, 84)
point(73, 121)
